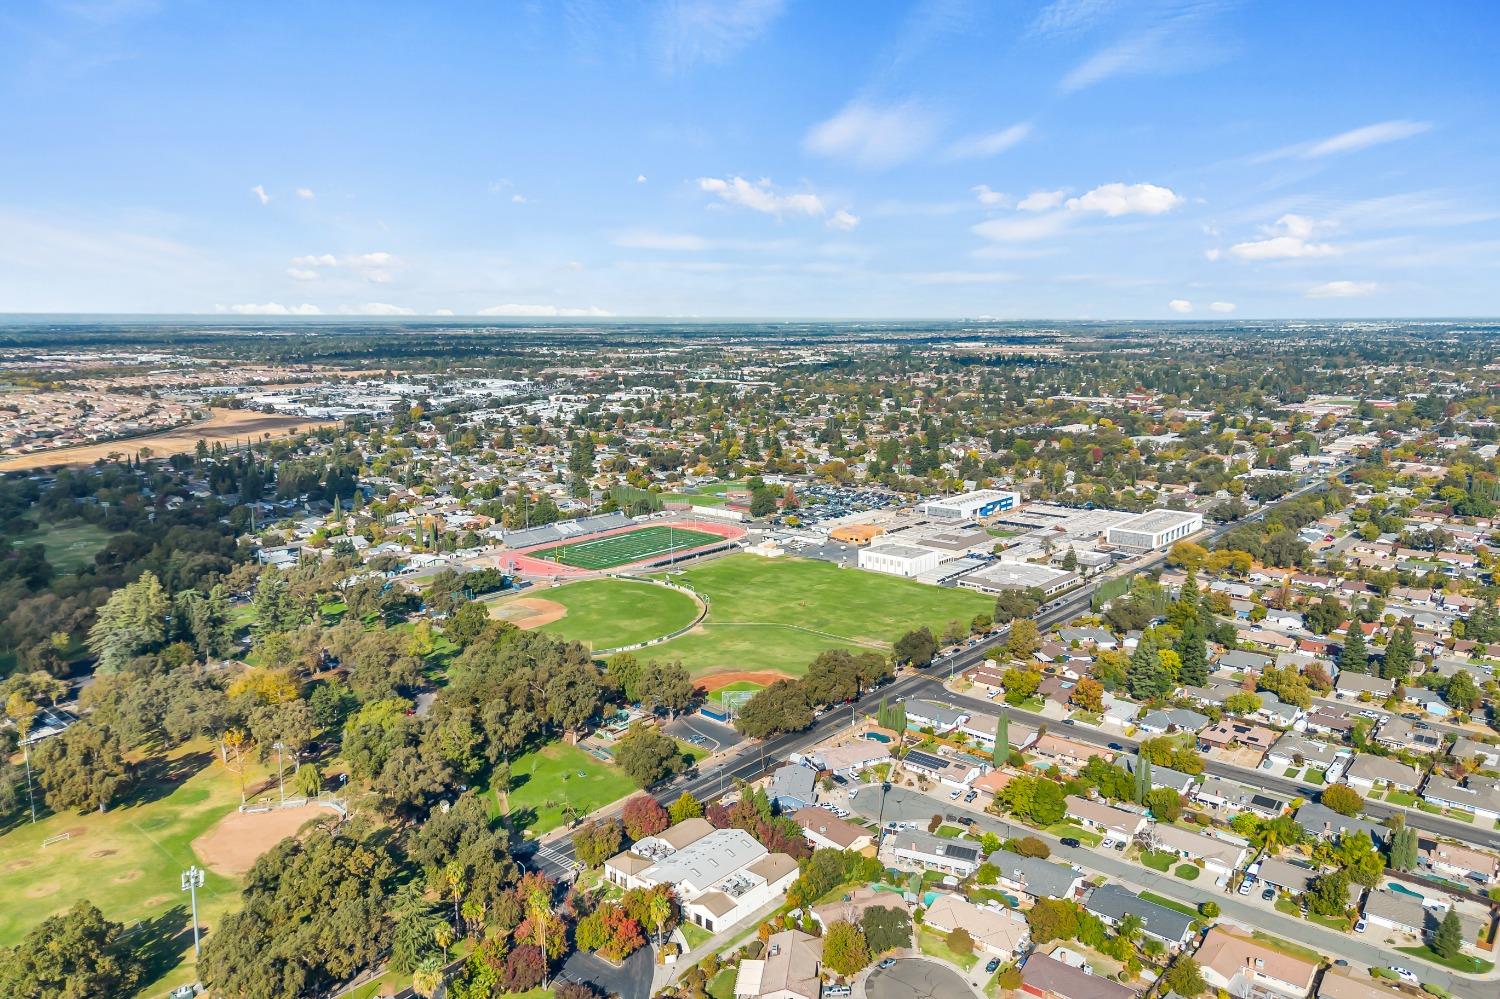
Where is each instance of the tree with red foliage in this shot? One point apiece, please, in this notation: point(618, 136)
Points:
point(644, 816)
point(611, 931)
point(524, 968)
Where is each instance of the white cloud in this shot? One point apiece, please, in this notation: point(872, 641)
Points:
point(694, 31)
point(306, 193)
point(270, 309)
point(543, 311)
point(872, 136)
point(640, 178)
point(990, 144)
point(1180, 305)
point(1127, 199)
point(1213, 253)
point(1342, 289)
point(987, 197)
point(1066, 16)
point(301, 274)
point(1163, 39)
point(1021, 230)
point(646, 239)
point(518, 199)
point(259, 191)
point(843, 219)
point(1287, 239)
point(761, 196)
point(1369, 135)
point(316, 260)
point(1221, 306)
point(1041, 201)
point(370, 266)
point(376, 309)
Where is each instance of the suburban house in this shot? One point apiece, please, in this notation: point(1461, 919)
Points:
point(1219, 856)
point(791, 968)
point(940, 718)
point(1322, 822)
point(1247, 968)
point(793, 786)
point(720, 876)
point(1467, 749)
point(1035, 877)
point(1399, 733)
point(851, 758)
point(1367, 771)
point(1293, 750)
point(1329, 721)
point(934, 852)
point(1476, 796)
point(1111, 903)
point(1457, 861)
point(852, 907)
point(1349, 686)
point(1221, 792)
point(999, 932)
point(1231, 735)
point(1413, 915)
point(1046, 977)
point(981, 728)
point(1338, 984)
point(1067, 755)
point(1162, 776)
point(1274, 711)
point(1295, 878)
point(950, 770)
point(1171, 720)
point(824, 829)
point(1109, 819)
point(1096, 637)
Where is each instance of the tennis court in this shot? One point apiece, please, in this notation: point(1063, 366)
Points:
point(622, 549)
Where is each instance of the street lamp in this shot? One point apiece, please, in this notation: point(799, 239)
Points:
point(192, 880)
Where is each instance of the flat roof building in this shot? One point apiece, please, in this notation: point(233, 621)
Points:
point(998, 576)
point(900, 560)
point(1155, 530)
point(967, 506)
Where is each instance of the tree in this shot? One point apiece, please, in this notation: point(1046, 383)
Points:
point(1024, 639)
point(83, 769)
point(1209, 909)
point(132, 622)
point(1461, 692)
point(644, 816)
point(1399, 652)
point(781, 707)
point(1165, 804)
point(78, 954)
point(594, 843)
point(1048, 805)
point(844, 948)
point(667, 685)
point(885, 929)
point(1052, 919)
point(1342, 799)
point(648, 756)
point(611, 931)
point(1185, 978)
point(916, 648)
point(685, 807)
point(1188, 555)
point(1449, 938)
point(1330, 894)
point(1088, 695)
point(1355, 655)
point(1146, 678)
point(1193, 651)
point(1142, 774)
point(276, 609)
point(1404, 849)
point(960, 941)
point(465, 625)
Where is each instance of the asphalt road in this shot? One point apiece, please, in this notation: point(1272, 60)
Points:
point(915, 978)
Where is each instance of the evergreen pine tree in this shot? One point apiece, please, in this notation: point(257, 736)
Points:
point(1142, 778)
point(1002, 738)
point(1355, 657)
point(1449, 937)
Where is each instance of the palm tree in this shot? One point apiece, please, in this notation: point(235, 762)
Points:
point(539, 910)
point(660, 910)
point(457, 882)
point(426, 979)
point(442, 935)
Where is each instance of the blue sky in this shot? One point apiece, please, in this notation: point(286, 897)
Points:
point(1075, 159)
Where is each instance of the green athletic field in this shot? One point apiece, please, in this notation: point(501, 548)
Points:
point(611, 613)
point(623, 549)
point(70, 546)
point(778, 614)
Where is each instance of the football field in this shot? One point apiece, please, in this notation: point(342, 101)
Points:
point(623, 549)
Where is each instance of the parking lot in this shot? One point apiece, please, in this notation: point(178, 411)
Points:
point(695, 730)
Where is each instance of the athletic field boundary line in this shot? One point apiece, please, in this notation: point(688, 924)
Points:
point(863, 642)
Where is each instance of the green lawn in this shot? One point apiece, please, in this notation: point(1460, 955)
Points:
point(547, 779)
point(1187, 872)
point(128, 860)
point(1287, 947)
point(780, 613)
point(610, 613)
point(1458, 962)
point(936, 945)
point(696, 936)
point(1157, 861)
point(722, 985)
point(1185, 909)
point(70, 546)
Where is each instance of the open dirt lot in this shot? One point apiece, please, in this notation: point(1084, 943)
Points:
point(528, 612)
point(715, 681)
point(226, 426)
point(232, 846)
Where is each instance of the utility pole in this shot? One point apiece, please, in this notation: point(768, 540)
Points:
point(280, 783)
point(30, 794)
point(192, 880)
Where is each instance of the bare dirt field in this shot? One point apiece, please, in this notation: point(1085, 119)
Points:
point(232, 846)
point(528, 612)
point(716, 681)
point(226, 426)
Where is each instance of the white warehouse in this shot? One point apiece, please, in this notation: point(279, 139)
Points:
point(901, 560)
point(966, 506)
point(1155, 529)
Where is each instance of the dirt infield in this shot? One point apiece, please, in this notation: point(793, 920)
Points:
point(528, 612)
point(714, 681)
point(224, 426)
point(232, 846)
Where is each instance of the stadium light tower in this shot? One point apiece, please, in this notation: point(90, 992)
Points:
point(192, 880)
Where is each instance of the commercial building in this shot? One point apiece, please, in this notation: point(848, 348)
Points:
point(900, 560)
point(1155, 530)
point(967, 506)
point(998, 576)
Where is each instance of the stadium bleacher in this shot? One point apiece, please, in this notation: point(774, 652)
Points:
point(562, 530)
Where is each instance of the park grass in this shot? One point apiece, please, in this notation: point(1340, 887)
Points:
point(546, 779)
point(781, 613)
point(935, 944)
point(71, 545)
point(610, 613)
point(128, 861)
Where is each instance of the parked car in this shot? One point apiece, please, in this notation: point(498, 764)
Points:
point(837, 991)
point(887, 963)
point(1406, 975)
point(1360, 924)
point(1119, 844)
point(971, 795)
point(1070, 842)
point(1268, 894)
point(992, 966)
point(1107, 843)
point(953, 795)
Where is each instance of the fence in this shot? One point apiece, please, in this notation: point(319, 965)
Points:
point(701, 599)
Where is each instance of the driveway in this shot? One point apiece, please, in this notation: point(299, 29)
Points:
point(915, 978)
point(631, 980)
